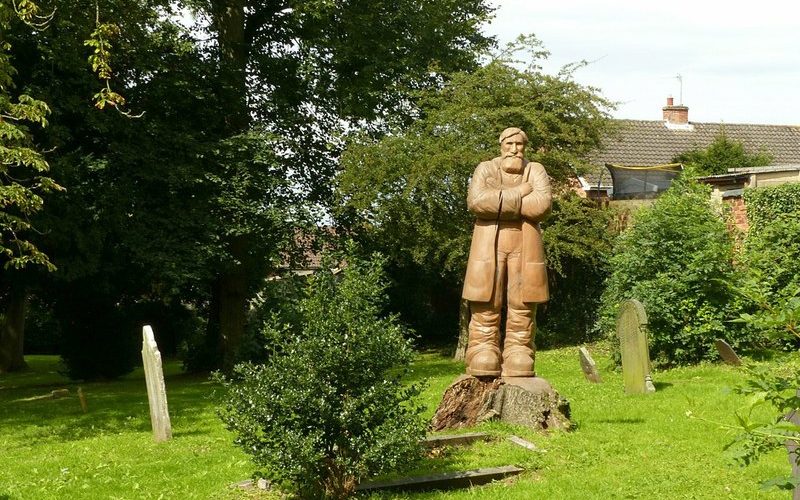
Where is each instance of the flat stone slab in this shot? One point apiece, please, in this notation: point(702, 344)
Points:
point(455, 439)
point(445, 480)
point(524, 443)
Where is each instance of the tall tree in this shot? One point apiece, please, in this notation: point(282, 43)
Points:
point(132, 226)
point(405, 193)
point(304, 70)
point(23, 182)
point(244, 115)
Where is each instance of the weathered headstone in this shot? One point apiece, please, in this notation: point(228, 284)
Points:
point(588, 366)
point(632, 332)
point(454, 439)
point(156, 391)
point(727, 353)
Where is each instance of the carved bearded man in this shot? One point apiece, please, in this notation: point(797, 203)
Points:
point(509, 196)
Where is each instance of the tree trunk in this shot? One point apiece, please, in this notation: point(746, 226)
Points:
point(12, 332)
point(233, 306)
point(229, 17)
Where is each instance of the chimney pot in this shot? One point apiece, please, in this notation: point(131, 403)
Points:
point(670, 101)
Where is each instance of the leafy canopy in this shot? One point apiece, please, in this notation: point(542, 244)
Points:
point(23, 169)
point(722, 154)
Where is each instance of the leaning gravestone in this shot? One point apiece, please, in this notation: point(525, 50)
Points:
point(727, 353)
point(588, 366)
point(632, 332)
point(156, 391)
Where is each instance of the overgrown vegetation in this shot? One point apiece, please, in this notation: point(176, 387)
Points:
point(328, 409)
point(722, 154)
point(676, 259)
point(770, 282)
point(765, 204)
point(578, 239)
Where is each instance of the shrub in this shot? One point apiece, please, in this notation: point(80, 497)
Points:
point(328, 407)
point(578, 240)
point(770, 271)
point(676, 259)
point(765, 204)
point(722, 154)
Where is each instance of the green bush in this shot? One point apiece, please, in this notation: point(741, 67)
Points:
point(770, 273)
point(676, 259)
point(765, 204)
point(328, 408)
point(578, 239)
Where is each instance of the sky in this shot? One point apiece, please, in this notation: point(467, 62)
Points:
point(739, 61)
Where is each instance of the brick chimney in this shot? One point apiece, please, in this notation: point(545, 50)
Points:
point(675, 115)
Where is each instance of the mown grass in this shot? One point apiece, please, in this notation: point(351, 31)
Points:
point(622, 447)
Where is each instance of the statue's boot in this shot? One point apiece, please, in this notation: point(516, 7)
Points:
point(518, 354)
point(483, 352)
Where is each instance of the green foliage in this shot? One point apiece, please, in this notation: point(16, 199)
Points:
point(765, 204)
point(22, 166)
point(405, 194)
point(328, 408)
point(773, 390)
point(770, 275)
point(723, 153)
point(769, 281)
point(676, 259)
point(578, 240)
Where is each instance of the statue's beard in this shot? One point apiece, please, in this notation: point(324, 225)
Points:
point(512, 163)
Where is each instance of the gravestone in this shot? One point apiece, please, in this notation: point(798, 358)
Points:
point(156, 391)
point(588, 366)
point(727, 353)
point(632, 332)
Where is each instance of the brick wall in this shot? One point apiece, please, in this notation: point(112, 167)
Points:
point(738, 212)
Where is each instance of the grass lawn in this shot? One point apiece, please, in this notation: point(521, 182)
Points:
point(622, 447)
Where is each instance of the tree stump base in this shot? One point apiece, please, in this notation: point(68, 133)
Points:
point(528, 401)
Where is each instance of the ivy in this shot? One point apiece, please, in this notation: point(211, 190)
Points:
point(765, 204)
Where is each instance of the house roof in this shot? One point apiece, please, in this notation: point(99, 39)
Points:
point(744, 173)
point(652, 142)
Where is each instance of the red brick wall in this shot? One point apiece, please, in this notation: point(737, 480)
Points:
point(738, 212)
